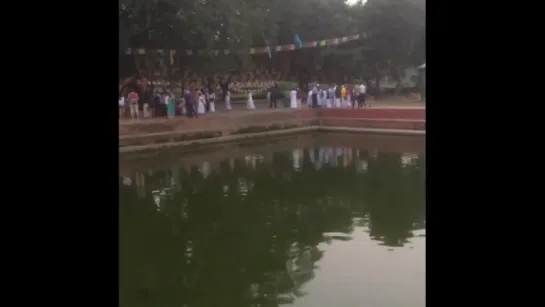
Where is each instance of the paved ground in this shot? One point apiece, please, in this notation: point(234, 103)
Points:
point(262, 106)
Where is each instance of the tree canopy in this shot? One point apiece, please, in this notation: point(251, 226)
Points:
point(393, 31)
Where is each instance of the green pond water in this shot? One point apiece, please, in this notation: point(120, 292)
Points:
point(305, 227)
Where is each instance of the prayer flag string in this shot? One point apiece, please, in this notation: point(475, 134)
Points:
point(260, 50)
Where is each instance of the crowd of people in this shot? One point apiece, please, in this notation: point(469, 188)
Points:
point(141, 98)
point(165, 103)
point(333, 96)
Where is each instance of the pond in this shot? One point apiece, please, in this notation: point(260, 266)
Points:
point(309, 226)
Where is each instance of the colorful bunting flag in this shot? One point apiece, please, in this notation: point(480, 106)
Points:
point(266, 49)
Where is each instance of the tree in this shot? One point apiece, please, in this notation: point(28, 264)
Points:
point(394, 31)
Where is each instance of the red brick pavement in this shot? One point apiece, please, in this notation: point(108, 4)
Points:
point(410, 118)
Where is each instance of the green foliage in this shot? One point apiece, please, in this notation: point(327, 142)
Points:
point(394, 29)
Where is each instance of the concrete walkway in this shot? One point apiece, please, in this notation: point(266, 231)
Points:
point(261, 107)
point(218, 113)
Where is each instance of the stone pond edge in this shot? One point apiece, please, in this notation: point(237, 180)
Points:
point(244, 136)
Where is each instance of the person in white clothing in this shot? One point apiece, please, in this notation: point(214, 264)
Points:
point(228, 100)
point(121, 106)
point(201, 108)
point(329, 103)
point(293, 99)
point(250, 103)
point(362, 91)
point(212, 99)
point(319, 96)
point(309, 99)
point(324, 98)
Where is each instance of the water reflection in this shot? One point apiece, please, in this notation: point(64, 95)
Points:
point(247, 232)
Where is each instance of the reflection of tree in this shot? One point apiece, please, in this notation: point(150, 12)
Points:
point(213, 245)
point(396, 199)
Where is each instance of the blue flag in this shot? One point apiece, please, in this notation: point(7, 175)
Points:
point(297, 40)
